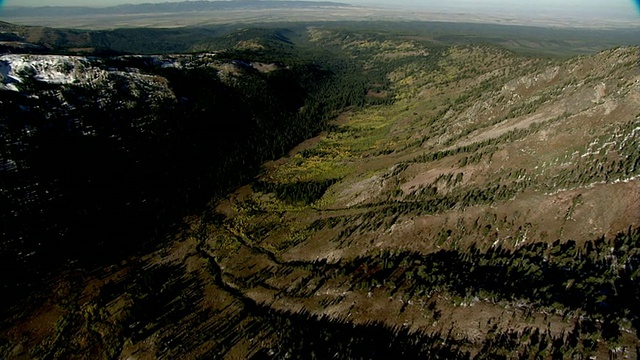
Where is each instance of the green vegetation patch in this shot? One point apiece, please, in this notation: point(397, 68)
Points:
point(306, 192)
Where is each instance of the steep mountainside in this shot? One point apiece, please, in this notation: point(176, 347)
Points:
point(495, 205)
point(104, 155)
point(467, 202)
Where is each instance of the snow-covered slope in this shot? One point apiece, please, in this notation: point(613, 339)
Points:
point(64, 70)
point(54, 69)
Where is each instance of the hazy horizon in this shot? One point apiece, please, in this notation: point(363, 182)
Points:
point(545, 6)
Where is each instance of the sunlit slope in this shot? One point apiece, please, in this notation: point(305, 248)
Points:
point(481, 147)
point(487, 155)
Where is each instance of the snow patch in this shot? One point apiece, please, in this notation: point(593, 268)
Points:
point(52, 69)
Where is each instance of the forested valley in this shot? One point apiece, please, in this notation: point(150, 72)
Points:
point(319, 190)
